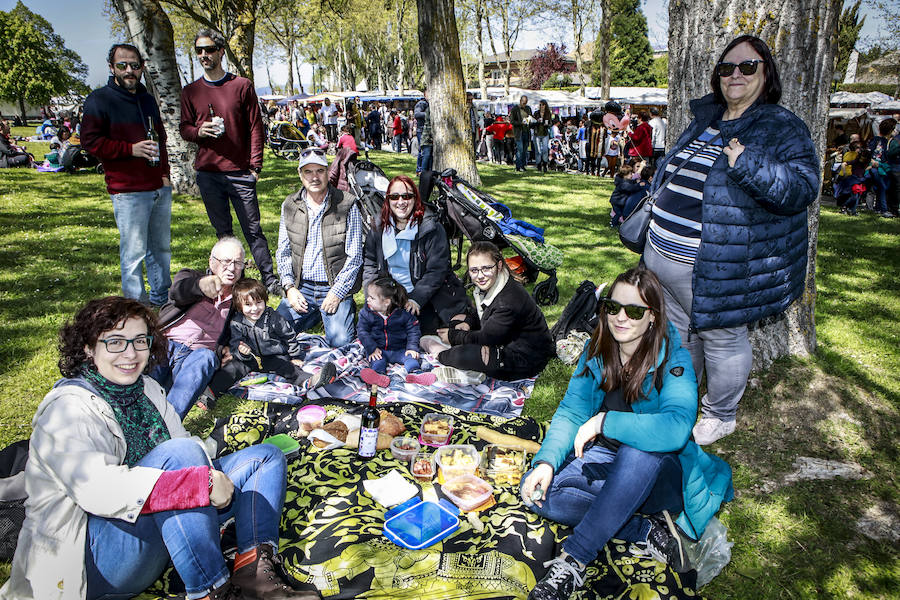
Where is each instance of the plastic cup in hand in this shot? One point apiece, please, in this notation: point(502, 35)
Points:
point(219, 122)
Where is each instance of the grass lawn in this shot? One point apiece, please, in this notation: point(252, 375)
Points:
point(793, 538)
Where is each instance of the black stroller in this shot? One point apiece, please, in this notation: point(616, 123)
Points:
point(368, 184)
point(466, 211)
point(285, 140)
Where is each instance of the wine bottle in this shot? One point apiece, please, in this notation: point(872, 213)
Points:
point(152, 136)
point(368, 431)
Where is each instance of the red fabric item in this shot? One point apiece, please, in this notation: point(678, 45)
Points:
point(642, 139)
point(858, 188)
point(179, 490)
point(398, 125)
point(349, 142)
point(234, 99)
point(245, 558)
point(499, 129)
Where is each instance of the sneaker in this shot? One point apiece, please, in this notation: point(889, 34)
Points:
point(458, 376)
point(327, 374)
point(373, 377)
point(711, 429)
point(421, 378)
point(664, 544)
point(206, 400)
point(887, 215)
point(565, 575)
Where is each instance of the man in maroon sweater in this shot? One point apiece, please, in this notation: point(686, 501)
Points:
point(230, 153)
point(114, 129)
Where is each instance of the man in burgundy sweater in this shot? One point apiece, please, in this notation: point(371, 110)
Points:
point(114, 129)
point(230, 153)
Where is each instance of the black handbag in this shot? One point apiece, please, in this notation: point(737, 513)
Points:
point(633, 230)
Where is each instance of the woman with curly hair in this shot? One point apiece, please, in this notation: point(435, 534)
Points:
point(117, 488)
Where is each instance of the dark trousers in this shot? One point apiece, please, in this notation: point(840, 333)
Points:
point(237, 367)
point(240, 188)
point(331, 132)
point(893, 195)
point(468, 357)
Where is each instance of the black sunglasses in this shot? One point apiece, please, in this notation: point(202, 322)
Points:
point(135, 66)
point(404, 195)
point(632, 311)
point(208, 49)
point(748, 67)
point(309, 151)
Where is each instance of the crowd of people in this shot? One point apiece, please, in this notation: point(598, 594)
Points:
point(117, 488)
point(859, 168)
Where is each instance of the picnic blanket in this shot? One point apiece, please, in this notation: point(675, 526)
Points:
point(492, 396)
point(331, 535)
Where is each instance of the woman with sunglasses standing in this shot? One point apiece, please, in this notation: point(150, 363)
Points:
point(619, 443)
point(117, 489)
point(408, 244)
point(728, 233)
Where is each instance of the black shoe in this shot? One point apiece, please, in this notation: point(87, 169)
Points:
point(326, 375)
point(664, 543)
point(564, 577)
point(274, 288)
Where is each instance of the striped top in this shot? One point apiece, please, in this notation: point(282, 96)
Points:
point(677, 215)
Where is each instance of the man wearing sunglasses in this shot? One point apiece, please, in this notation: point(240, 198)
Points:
point(114, 129)
point(230, 148)
point(320, 253)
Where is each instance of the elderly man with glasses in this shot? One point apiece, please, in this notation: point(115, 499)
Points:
point(220, 113)
point(196, 322)
point(117, 119)
point(320, 253)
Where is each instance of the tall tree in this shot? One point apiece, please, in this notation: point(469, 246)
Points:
point(439, 45)
point(35, 64)
point(150, 30)
point(849, 25)
point(579, 13)
point(630, 53)
point(600, 72)
point(801, 36)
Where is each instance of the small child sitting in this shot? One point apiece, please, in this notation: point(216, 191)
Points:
point(347, 140)
point(387, 331)
point(625, 187)
point(263, 341)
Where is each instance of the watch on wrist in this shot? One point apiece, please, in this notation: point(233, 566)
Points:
point(287, 287)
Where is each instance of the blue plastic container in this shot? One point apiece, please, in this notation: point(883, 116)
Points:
point(417, 524)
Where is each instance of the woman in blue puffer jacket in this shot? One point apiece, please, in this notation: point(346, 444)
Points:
point(619, 443)
point(728, 233)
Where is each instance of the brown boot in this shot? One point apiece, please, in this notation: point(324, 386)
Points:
point(259, 580)
point(225, 592)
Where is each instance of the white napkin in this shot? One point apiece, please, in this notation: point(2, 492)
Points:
point(390, 490)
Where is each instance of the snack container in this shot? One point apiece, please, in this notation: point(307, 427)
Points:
point(311, 417)
point(457, 459)
point(467, 491)
point(436, 430)
point(417, 524)
point(403, 448)
point(502, 465)
point(285, 443)
point(422, 466)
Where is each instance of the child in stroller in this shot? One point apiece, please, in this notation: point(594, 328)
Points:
point(558, 158)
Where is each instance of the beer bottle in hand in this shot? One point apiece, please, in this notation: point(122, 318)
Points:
point(368, 432)
point(153, 136)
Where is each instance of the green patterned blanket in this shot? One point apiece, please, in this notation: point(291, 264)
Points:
point(332, 530)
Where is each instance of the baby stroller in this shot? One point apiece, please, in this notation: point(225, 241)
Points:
point(285, 140)
point(75, 158)
point(368, 184)
point(466, 211)
point(558, 159)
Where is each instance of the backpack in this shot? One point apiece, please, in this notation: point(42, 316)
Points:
point(580, 314)
point(12, 496)
point(404, 125)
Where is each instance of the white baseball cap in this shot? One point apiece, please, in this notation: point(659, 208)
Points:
point(312, 156)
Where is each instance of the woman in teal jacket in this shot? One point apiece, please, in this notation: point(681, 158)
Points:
point(619, 442)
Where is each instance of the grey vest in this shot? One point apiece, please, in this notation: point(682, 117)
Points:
point(334, 233)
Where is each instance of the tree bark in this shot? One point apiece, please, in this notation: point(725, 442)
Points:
point(23, 114)
point(240, 43)
point(439, 47)
point(289, 86)
point(605, 28)
point(479, 17)
point(801, 36)
point(150, 31)
point(401, 58)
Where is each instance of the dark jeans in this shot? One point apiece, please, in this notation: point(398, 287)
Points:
point(331, 132)
point(240, 188)
point(238, 367)
point(600, 493)
point(468, 357)
point(893, 195)
point(394, 357)
point(522, 142)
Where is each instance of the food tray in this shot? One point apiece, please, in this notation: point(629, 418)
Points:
point(467, 491)
point(456, 460)
point(417, 524)
point(441, 437)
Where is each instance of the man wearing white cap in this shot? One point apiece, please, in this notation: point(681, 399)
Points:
point(320, 253)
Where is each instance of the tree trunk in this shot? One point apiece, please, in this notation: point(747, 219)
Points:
point(299, 79)
point(289, 87)
point(479, 17)
point(800, 35)
point(401, 59)
point(240, 44)
point(507, 46)
point(605, 28)
point(439, 47)
point(578, 30)
point(22, 112)
point(151, 31)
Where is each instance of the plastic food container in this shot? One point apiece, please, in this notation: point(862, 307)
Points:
point(422, 467)
point(417, 524)
point(436, 429)
point(405, 447)
point(286, 443)
point(467, 491)
point(311, 417)
point(457, 459)
point(503, 465)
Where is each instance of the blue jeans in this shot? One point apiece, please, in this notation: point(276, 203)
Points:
point(122, 559)
point(600, 493)
point(880, 185)
point(186, 376)
point(427, 157)
point(392, 357)
point(522, 150)
point(144, 220)
point(340, 327)
point(542, 149)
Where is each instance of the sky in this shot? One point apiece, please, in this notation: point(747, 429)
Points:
point(85, 30)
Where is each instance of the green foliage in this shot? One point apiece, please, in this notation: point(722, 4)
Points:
point(630, 54)
point(849, 25)
point(862, 88)
point(35, 65)
point(875, 52)
point(660, 71)
point(559, 81)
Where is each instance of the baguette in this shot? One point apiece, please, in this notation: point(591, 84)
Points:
point(504, 439)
